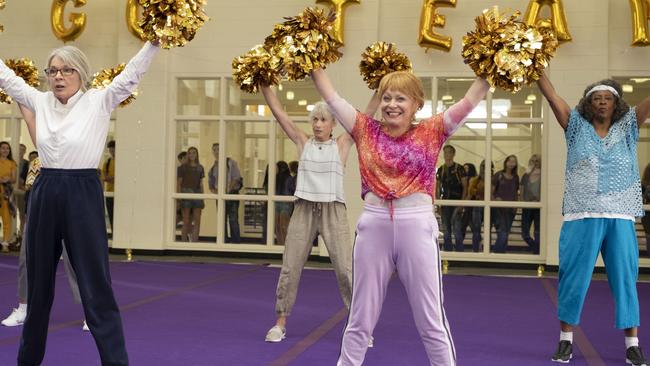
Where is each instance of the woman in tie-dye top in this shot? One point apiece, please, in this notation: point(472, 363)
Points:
point(398, 230)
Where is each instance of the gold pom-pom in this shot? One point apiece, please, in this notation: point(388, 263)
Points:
point(379, 59)
point(173, 23)
point(256, 67)
point(304, 43)
point(105, 77)
point(24, 68)
point(506, 52)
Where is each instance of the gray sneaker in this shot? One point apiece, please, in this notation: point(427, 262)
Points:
point(564, 352)
point(276, 334)
point(634, 356)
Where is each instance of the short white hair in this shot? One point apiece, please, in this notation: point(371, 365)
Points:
point(75, 58)
point(321, 109)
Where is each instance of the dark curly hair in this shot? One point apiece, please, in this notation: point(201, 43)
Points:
point(620, 106)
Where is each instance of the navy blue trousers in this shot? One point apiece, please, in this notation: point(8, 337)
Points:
point(68, 205)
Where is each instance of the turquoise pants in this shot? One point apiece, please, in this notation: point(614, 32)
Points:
point(580, 242)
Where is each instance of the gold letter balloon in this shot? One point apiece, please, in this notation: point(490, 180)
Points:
point(132, 21)
point(640, 17)
point(338, 6)
point(429, 20)
point(2, 5)
point(558, 19)
point(78, 20)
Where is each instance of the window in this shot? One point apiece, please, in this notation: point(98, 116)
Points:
point(233, 205)
point(475, 197)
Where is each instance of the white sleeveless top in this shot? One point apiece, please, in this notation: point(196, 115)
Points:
point(320, 172)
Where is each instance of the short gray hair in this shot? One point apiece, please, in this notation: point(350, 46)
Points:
point(321, 109)
point(75, 58)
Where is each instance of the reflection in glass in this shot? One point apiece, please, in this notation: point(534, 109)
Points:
point(453, 89)
point(527, 103)
point(506, 234)
point(190, 179)
point(245, 222)
point(194, 220)
point(296, 98)
point(519, 139)
point(232, 231)
point(197, 97)
point(531, 183)
point(635, 89)
point(247, 146)
point(198, 134)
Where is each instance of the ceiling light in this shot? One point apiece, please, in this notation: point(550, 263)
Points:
point(302, 102)
point(310, 107)
point(280, 87)
point(531, 97)
point(447, 97)
point(640, 80)
point(528, 101)
point(290, 95)
point(628, 88)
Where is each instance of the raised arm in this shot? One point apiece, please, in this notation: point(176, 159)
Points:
point(298, 136)
point(455, 115)
point(127, 81)
point(17, 88)
point(30, 120)
point(343, 110)
point(559, 106)
point(643, 111)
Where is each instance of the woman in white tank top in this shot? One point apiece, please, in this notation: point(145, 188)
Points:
point(319, 208)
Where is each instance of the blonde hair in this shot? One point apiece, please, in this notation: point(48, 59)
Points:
point(75, 58)
point(530, 166)
point(404, 82)
point(321, 109)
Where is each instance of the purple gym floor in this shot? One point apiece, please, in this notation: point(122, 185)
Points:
point(217, 314)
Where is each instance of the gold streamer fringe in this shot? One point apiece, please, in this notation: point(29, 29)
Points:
point(24, 68)
point(105, 77)
point(256, 67)
point(304, 43)
point(506, 52)
point(379, 59)
point(172, 23)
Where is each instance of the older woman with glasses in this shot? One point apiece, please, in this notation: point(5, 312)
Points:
point(66, 202)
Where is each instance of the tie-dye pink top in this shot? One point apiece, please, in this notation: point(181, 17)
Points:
point(395, 167)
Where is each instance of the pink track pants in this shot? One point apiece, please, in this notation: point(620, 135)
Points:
point(407, 242)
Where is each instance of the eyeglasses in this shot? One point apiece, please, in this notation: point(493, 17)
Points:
point(52, 71)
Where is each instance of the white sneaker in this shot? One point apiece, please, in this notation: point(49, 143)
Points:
point(16, 318)
point(276, 334)
point(85, 327)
